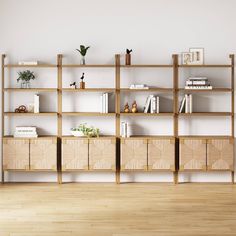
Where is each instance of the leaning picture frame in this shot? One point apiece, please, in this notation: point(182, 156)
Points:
point(197, 56)
point(186, 58)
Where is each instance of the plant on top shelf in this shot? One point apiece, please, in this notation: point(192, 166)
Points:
point(25, 77)
point(84, 130)
point(83, 50)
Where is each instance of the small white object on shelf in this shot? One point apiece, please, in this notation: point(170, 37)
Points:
point(36, 103)
point(25, 132)
point(104, 102)
point(28, 63)
point(77, 133)
point(138, 86)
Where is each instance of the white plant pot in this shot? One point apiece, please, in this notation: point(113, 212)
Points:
point(77, 133)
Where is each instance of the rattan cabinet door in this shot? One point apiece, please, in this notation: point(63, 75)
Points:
point(43, 154)
point(192, 154)
point(220, 154)
point(74, 154)
point(161, 154)
point(102, 154)
point(133, 154)
point(15, 154)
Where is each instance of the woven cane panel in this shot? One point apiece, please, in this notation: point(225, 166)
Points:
point(220, 154)
point(161, 154)
point(16, 154)
point(134, 154)
point(43, 154)
point(192, 154)
point(102, 154)
point(75, 154)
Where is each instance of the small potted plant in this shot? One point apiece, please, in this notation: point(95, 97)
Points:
point(25, 77)
point(83, 50)
point(84, 130)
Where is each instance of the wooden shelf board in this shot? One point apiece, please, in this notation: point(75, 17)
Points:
point(39, 137)
point(147, 90)
point(30, 114)
point(204, 136)
point(87, 114)
point(206, 114)
point(84, 137)
point(147, 66)
point(207, 66)
point(30, 89)
point(149, 136)
point(206, 90)
point(34, 66)
point(147, 114)
point(89, 90)
point(14, 170)
point(94, 65)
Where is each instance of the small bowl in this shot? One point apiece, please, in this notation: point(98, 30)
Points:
point(77, 133)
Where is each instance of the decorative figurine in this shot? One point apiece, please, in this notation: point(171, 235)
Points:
point(128, 57)
point(126, 109)
point(134, 107)
point(82, 83)
point(21, 109)
point(73, 85)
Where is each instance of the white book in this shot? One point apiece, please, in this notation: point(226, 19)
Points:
point(106, 102)
point(25, 128)
point(190, 103)
point(148, 103)
point(25, 135)
point(197, 78)
point(199, 87)
point(101, 104)
point(157, 105)
point(186, 103)
point(183, 103)
point(123, 129)
point(30, 63)
point(153, 105)
point(36, 103)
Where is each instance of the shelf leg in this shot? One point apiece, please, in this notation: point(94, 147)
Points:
point(232, 177)
point(59, 177)
point(176, 177)
point(118, 177)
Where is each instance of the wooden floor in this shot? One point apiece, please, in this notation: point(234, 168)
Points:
point(119, 210)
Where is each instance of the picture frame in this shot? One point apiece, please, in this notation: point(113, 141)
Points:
point(187, 58)
point(197, 56)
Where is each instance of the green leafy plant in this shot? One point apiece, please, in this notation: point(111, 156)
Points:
point(87, 131)
point(26, 75)
point(83, 50)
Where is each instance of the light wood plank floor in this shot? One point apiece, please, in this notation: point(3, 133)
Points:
point(120, 210)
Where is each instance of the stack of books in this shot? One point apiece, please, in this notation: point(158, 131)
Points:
point(125, 130)
point(138, 86)
point(197, 83)
point(25, 132)
point(104, 103)
point(186, 105)
point(152, 104)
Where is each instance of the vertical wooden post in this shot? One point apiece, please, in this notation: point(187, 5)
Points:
point(59, 115)
point(3, 124)
point(175, 110)
point(117, 71)
point(232, 105)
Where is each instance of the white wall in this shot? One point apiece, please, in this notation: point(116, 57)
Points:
point(154, 29)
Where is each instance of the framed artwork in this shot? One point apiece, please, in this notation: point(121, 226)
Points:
point(186, 58)
point(197, 56)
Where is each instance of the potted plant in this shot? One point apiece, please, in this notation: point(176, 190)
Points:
point(83, 50)
point(25, 77)
point(84, 130)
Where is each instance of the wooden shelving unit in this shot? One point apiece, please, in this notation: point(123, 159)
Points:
point(147, 142)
